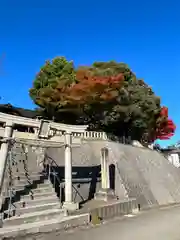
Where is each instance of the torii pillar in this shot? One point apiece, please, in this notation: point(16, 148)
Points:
point(3, 159)
point(4, 152)
point(69, 204)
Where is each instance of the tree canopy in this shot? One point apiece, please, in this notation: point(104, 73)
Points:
point(106, 95)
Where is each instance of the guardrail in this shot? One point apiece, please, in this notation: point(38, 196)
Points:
point(91, 135)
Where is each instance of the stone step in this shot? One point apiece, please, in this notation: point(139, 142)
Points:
point(37, 192)
point(38, 201)
point(40, 189)
point(38, 195)
point(33, 177)
point(23, 182)
point(32, 229)
point(34, 217)
point(30, 173)
point(40, 207)
point(21, 186)
point(46, 184)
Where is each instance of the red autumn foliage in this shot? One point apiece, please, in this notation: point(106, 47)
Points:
point(92, 89)
point(167, 127)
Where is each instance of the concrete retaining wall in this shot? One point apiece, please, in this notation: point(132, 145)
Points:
point(115, 209)
point(140, 173)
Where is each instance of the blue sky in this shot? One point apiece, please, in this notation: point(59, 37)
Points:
point(143, 34)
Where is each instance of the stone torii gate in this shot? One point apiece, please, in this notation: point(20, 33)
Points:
point(43, 128)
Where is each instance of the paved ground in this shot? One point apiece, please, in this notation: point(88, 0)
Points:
point(156, 224)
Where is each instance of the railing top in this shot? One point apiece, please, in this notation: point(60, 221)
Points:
point(7, 118)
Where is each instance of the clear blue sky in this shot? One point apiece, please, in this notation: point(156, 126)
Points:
point(143, 34)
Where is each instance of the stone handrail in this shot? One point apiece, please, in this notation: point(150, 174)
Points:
point(84, 135)
point(91, 135)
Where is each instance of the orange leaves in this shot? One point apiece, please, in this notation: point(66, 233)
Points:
point(90, 89)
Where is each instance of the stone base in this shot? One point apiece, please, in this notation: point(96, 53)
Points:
point(70, 206)
point(105, 195)
point(135, 210)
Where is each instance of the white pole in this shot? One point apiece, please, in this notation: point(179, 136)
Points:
point(104, 169)
point(68, 168)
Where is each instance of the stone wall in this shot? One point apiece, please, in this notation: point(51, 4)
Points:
point(140, 173)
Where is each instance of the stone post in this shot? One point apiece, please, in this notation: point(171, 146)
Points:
point(3, 160)
point(4, 152)
point(104, 169)
point(105, 193)
point(69, 204)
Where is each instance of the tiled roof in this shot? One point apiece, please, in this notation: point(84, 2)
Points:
point(8, 108)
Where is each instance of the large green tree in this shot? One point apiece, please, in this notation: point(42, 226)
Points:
point(50, 84)
point(134, 111)
point(107, 96)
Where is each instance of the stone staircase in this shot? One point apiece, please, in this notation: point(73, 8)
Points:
point(35, 200)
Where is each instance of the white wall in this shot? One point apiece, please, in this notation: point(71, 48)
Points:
point(174, 159)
